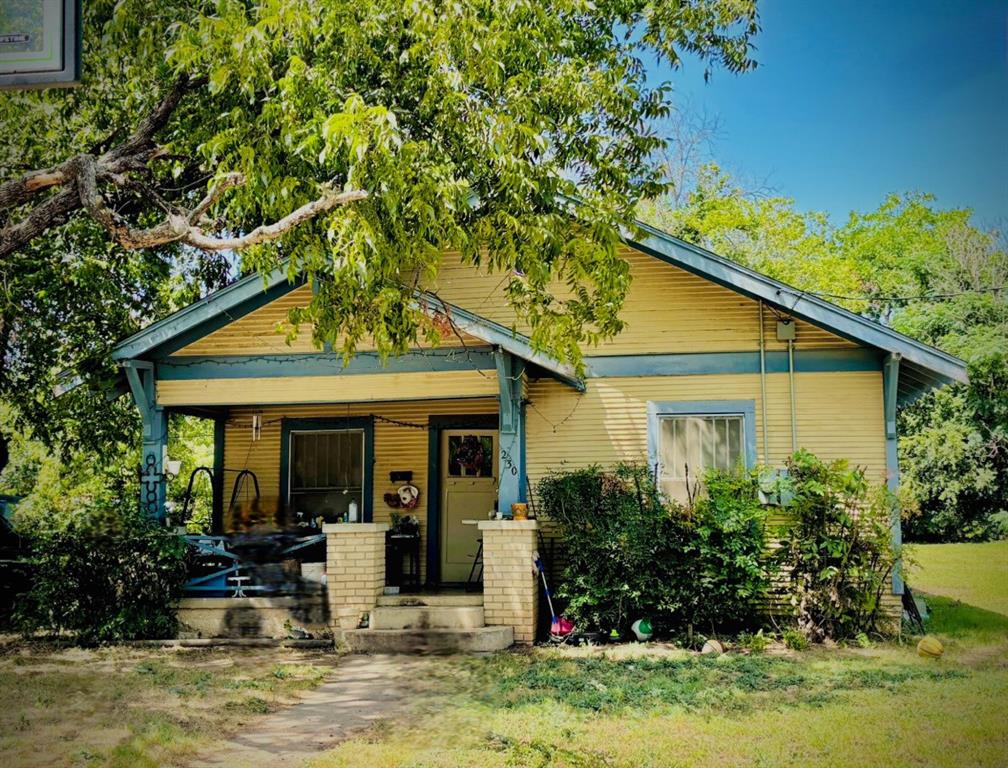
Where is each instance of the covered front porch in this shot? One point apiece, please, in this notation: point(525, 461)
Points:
point(322, 464)
point(428, 453)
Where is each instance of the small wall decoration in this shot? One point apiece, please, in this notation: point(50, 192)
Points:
point(407, 497)
point(470, 455)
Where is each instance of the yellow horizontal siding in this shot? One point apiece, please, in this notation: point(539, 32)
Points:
point(321, 389)
point(396, 448)
point(839, 416)
point(264, 331)
point(667, 310)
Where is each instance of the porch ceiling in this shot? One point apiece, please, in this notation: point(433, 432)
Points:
point(375, 387)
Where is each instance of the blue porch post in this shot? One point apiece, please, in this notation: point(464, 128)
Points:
point(152, 480)
point(890, 388)
point(511, 487)
point(140, 375)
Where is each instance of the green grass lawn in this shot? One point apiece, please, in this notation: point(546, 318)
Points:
point(976, 574)
point(138, 708)
point(638, 706)
point(629, 706)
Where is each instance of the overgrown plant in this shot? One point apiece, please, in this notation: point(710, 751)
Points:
point(109, 574)
point(838, 551)
point(633, 553)
point(728, 526)
point(624, 545)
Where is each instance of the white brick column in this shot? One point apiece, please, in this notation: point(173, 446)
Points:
point(510, 586)
point(355, 570)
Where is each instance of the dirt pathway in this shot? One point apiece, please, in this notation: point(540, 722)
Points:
point(364, 690)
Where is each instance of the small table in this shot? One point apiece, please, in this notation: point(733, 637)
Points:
point(475, 578)
point(239, 582)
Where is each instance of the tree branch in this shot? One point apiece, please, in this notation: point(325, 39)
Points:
point(50, 213)
point(181, 227)
point(135, 151)
point(198, 239)
point(227, 182)
point(85, 171)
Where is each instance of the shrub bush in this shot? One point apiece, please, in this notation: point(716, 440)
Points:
point(838, 551)
point(730, 539)
point(118, 580)
point(633, 553)
point(954, 458)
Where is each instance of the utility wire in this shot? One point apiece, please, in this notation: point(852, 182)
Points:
point(896, 299)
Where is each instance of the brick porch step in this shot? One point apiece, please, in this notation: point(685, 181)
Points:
point(428, 641)
point(427, 617)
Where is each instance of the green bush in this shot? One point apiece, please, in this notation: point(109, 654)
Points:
point(633, 553)
point(730, 538)
point(838, 552)
point(954, 458)
point(756, 642)
point(117, 580)
point(795, 640)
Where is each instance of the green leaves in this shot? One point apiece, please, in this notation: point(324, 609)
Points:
point(630, 553)
point(428, 107)
point(838, 550)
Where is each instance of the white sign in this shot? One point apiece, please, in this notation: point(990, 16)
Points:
point(39, 43)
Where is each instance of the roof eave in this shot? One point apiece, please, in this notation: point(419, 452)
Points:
point(795, 302)
point(505, 338)
point(207, 308)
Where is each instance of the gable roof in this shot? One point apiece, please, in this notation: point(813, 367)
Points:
point(208, 314)
point(923, 366)
point(253, 291)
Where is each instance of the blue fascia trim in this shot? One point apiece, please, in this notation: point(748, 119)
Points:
point(744, 408)
point(322, 364)
point(505, 338)
point(365, 423)
point(208, 314)
point(686, 364)
point(840, 321)
point(435, 424)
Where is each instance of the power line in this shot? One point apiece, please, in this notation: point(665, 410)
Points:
point(896, 299)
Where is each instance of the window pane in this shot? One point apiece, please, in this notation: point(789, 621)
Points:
point(698, 443)
point(668, 445)
point(735, 447)
point(708, 447)
point(327, 460)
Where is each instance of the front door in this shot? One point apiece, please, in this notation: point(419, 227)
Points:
point(468, 494)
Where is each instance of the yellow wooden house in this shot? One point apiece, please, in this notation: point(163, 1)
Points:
point(717, 365)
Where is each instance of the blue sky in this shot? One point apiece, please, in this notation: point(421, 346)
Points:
point(853, 100)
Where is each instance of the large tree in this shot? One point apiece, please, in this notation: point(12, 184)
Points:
point(359, 140)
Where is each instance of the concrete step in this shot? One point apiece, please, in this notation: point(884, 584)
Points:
point(445, 599)
point(428, 641)
point(427, 617)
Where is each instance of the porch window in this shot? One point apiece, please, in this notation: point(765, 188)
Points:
point(687, 439)
point(326, 473)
